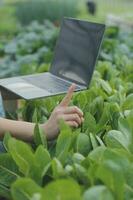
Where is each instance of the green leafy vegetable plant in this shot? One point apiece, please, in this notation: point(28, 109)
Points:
point(94, 161)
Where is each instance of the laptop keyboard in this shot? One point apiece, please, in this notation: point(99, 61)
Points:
point(49, 83)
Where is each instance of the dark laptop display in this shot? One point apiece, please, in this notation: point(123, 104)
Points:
point(77, 50)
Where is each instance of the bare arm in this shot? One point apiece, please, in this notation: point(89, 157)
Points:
point(73, 116)
point(19, 129)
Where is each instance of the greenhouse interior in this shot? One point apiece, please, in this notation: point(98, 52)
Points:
point(66, 99)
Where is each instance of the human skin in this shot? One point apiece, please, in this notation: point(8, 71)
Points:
point(72, 115)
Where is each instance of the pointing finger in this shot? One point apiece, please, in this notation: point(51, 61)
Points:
point(67, 98)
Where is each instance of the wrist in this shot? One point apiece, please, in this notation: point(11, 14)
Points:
point(45, 128)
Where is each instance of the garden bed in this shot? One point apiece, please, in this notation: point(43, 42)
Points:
point(94, 161)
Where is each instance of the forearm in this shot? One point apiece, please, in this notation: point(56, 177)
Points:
point(73, 116)
point(19, 129)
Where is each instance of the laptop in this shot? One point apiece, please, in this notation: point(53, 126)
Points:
point(74, 60)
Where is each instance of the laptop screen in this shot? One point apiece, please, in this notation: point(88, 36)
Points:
point(77, 50)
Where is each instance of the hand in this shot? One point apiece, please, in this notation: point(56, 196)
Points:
point(72, 115)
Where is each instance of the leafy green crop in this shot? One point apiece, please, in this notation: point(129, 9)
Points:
point(94, 161)
point(30, 51)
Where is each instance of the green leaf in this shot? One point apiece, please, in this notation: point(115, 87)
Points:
point(35, 116)
point(94, 141)
point(21, 154)
point(43, 158)
point(130, 120)
point(105, 117)
point(129, 180)
point(116, 139)
point(7, 136)
point(8, 170)
point(83, 144)
point(62, 189)
point(57, 169)
point(26, 189)
point(8, 174)
point(82, 100)
point(69, 170)
point(119, 157)
point(78, 158)
point(128, 103)
point(80, 173)
point(63, 142)
point(100, 192)
point(97, 154)
point(99, 140)
point(128, 192)
point(125, 127)
point(89, 123)
point(30, 164)
point(112, 176)
point(40, 136)
point(50, 103)
point(114, 115)
point(5, 192)
point(105, 86)
point(96, 107)
point(112, 169)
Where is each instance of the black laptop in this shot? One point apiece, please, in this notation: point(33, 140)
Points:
point(74, 60)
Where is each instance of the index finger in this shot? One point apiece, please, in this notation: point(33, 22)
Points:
point(67, 98)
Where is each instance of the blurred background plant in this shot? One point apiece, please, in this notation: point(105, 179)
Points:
point(106, 7)
point(30, 51)
point(27, 39)
point(25, 50)
point(54, 10)
point(8, 22)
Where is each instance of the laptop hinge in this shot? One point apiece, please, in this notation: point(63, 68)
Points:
point(70, 80)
